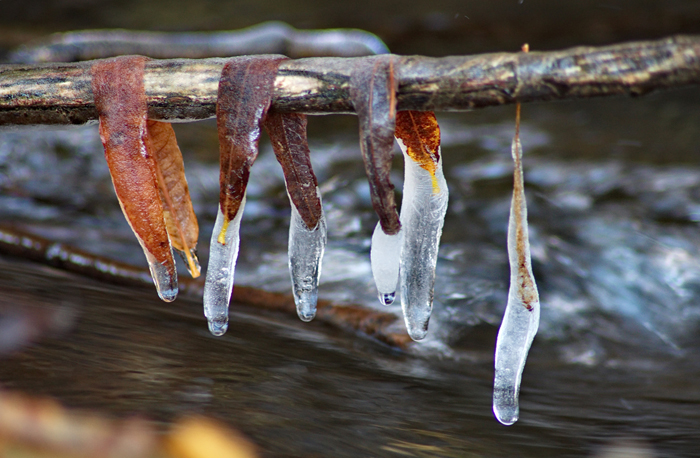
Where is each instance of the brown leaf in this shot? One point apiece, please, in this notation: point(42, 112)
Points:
point(120, 99)
point(180, 220)
point(419, 131)
point(288, 136)
point(373, 87)
point(245, 94)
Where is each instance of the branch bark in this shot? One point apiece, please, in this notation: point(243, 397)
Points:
point(185, 89)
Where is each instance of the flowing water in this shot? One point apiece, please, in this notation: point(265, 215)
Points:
point(614, 205)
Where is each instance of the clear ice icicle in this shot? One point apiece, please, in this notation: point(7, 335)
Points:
point(385, 259)
point(522, 315)
point(306, 249)
point(220, 271)
point(423, 209)
point(307, 228)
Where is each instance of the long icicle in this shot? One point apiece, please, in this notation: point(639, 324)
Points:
point(423, 209)
point(522, 315)
point(245, 93)
point(307, 226)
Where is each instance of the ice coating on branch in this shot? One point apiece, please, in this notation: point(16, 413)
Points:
point(522, 315)
point(385, 259)
point(220, 270)
point(306, 249)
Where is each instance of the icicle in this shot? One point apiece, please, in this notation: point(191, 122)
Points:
point(522, 315)
point(223, 253)
point(307, 228)
point(245, 93)
point(306, 249)
point(384, 257)
point(425, 197)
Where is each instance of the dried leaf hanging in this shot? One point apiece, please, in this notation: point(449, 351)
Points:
point(120, 100)
point(373, 89)
point(147, 170)
point(180, 220)
point(425, 197)
point(245, 94)
point(307, 228)
point(522, 315)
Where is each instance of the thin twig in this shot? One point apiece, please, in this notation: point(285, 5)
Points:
point(385, 327)
point(184, 89)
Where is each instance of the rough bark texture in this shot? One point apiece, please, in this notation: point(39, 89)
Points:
point(184, 89)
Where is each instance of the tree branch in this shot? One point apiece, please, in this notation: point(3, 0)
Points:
point(185, 89)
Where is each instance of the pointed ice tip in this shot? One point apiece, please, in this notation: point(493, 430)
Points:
point(306, 304)
point(218, 327)
point(387, 298)
point(418, 331)
point(508, 416)
point(505, 406)
point(164, 277)
point(169, 294)
point(306, 315)
point(191, 261)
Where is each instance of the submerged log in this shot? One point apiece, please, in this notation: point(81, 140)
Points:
point(186, 89)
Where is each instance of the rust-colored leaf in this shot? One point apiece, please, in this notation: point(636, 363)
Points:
point(120, 99)
point(245, 94)
point(420, 133)
point(288, 136)
point(180, 220)
point(373, 87)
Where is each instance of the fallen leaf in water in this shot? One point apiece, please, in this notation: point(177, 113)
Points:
point(373, 88)
point(41, 428)
point(180, 220)
point(200, 437)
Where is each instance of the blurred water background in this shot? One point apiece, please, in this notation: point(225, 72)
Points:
point(614, 203)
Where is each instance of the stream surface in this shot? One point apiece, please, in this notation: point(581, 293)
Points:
point(613, 189)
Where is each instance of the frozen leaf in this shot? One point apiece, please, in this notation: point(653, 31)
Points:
point(117, 85)
point(373, 87)
point(307, 227)
point(423, 210)
point(522, 315)
point(180, 220)
point(245, 94)
point(288, 136)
